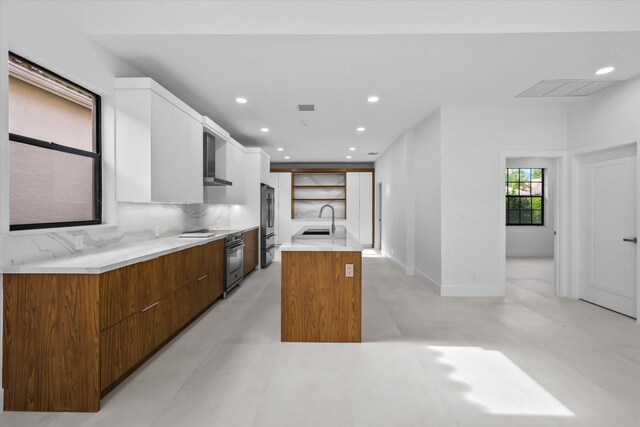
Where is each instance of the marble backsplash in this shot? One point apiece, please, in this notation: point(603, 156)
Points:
point(136, 222)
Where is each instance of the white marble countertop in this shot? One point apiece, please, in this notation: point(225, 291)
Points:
point(112, 257)
point(342, 241)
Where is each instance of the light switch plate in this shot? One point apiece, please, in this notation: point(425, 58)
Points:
point(348, 270)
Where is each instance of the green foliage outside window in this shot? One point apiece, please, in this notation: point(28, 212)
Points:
point(525, 196)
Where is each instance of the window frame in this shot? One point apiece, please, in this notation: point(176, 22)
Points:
point(96, 156)
point(520, 210)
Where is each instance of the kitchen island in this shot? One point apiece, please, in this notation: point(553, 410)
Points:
point(321, 297)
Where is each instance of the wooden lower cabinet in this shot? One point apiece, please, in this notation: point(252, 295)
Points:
point(70, 338)
point(251, 252)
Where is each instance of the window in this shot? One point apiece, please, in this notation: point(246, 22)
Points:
point(525, 196)
point(310, 191)
point(54, 150)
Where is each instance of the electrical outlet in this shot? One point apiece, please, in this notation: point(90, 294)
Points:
point(157, 231)
point(348, 270)
point(473, 276)
point(79, 241)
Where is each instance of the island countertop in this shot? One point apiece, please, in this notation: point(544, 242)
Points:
point(101, 260)
point(342, 241)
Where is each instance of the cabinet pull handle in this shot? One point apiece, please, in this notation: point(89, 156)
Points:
point(203, 277)
point(152, 305)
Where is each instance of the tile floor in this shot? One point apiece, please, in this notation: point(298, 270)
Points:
point(527, 359)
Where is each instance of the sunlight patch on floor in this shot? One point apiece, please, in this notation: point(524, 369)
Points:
point(497, 384)
point(371, 253)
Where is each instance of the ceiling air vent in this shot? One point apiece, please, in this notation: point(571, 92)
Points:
point(306, 107)
point(559, 88)
point(373, 154)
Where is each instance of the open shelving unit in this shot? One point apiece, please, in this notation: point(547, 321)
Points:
point(311, 190)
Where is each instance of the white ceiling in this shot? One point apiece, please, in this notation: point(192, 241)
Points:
point(413, 75)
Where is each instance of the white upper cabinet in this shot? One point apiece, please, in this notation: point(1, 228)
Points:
point(158, 145)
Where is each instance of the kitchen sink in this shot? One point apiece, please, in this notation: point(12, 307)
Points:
point(316, 232)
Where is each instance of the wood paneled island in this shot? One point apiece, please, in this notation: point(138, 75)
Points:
point(321, 297)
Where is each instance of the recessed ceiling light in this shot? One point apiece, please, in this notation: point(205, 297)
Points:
point(280, 149)
point(605, 70)
point(372, 99)
point(265, 129)
point(352, 149)
point(360, 129)
point(348, 157)
point(287, 157)
point(241, 100)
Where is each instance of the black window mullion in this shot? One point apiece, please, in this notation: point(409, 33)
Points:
point(52, 146)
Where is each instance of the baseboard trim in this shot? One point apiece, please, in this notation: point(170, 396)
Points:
point(432, 283)
point(471, 291)
point(527, 254)
point(401, 265)
point(409, 271)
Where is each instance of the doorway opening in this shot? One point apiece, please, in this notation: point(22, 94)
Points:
point(531, 211)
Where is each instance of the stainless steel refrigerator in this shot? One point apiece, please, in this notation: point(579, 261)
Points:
point(267, 221)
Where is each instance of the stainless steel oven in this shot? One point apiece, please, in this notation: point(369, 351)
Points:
point(234, 251)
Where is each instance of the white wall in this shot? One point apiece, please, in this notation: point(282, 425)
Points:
point(410, 173)
point(608, 118)
point(443, 186)
point(473, 186)
point(536, 241)
point(391, 171)
point(427, 177)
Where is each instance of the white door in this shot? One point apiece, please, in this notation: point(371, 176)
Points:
point(609, 222)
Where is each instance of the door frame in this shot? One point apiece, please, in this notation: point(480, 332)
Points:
point(561, 219)
point(577, 157)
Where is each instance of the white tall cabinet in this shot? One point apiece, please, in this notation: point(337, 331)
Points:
point(284, 207)
point(365, 206)
point(158, 145)
point(359, 207)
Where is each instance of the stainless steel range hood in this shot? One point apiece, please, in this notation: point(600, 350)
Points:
point(210, 178)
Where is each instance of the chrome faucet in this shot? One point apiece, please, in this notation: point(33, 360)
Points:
point(333, 217)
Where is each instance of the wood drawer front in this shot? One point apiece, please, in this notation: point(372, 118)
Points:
point(251, 240)
point(128, 290)
point(214, 256)
point(191, 299)
point(216, 284)
point(125, 344)
point(122, 292)
point(121, 347)
point(250, 261)
point(194, 264)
